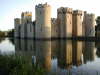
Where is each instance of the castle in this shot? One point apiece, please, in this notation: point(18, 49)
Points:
point(69, 23)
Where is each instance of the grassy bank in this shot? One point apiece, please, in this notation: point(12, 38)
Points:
point(18, 65)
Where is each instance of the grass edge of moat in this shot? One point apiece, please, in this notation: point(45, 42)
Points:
point(18, 65)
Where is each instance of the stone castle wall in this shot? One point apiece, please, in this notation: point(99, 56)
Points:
point(69, 23)
point(24, 27)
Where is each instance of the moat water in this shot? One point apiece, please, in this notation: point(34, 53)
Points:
point(58, 57)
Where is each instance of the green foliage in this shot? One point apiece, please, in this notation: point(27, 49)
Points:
point(2, 34)
point(98, 52)
point(10, 33)
point(98, 20)
point(18, 65)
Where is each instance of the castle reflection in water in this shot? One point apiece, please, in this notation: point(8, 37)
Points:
point(67, 53)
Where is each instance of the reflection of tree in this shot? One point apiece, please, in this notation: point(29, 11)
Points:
point(10, 33)
point(98, 48)
point(98, 52)
point(1, 39)
point(11, 40)
point(2, 34)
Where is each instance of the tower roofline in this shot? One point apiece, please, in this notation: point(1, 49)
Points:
point(79, 12)
point(42, 5)
point(65, 10)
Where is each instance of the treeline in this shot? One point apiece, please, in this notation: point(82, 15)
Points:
point(9, 33)
point(2, 34)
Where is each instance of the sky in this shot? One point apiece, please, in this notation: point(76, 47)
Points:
point(10, 9)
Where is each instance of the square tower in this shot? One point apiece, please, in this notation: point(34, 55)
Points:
point(64, 17)
point(77, 23)
point(89, 24)
point(26, 17)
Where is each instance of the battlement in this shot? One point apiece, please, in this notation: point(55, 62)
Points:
point(77, 12)
point(26, 14)
point(17, 21)
point(42, 5)
point(91, 15)
point(64, 10)
point(85, 12)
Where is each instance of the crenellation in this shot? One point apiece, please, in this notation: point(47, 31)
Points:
point(64, 10)
point(26, 17)
point(17, 21)
point(77, 12)
point(69, 10)
point(42, 5)
point(65, 22)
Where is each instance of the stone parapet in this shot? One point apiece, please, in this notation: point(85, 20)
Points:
point(64, 10)
point(42, 5)
point(77, 12)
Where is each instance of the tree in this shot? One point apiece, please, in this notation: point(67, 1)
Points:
point(2, 34)
point(11, 33)
point(98, 20)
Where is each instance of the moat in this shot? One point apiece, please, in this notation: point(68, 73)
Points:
point(57, 56)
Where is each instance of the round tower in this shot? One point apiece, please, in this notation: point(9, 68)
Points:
point(43, 54)
point(43, 21)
